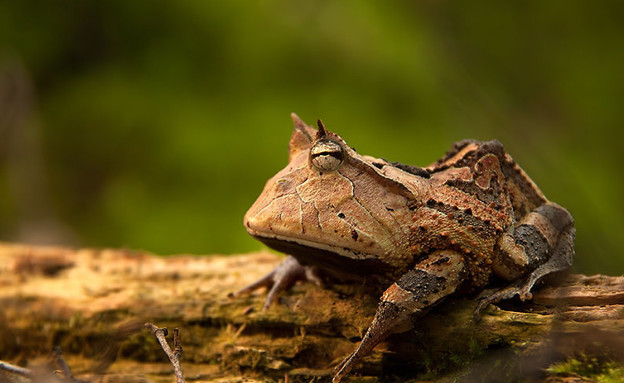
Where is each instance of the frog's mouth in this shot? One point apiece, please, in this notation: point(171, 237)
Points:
point(339, 262)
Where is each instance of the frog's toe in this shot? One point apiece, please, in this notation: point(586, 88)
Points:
point(285, 275)
point(280, 285)
point(282, 278)
point(313, 275)
point(495, 297)
point(266, 281)
point(483, 303)
point(526, 297)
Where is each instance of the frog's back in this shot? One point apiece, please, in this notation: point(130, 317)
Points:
point(518, 188)
point(477, 193)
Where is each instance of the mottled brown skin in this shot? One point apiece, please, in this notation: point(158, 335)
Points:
point(419, 234)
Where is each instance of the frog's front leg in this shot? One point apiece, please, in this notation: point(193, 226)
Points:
point(281, 279)
point(408, 298)
point(540, 244)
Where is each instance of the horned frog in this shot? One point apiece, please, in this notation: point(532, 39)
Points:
point(420, 234)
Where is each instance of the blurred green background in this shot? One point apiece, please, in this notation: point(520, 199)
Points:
point(155, 125)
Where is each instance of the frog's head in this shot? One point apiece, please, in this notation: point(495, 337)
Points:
point(332, 207)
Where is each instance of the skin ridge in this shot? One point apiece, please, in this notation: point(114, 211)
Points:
point(528, 196)
point(414, 170)
point(443, 163)
point(481, 227)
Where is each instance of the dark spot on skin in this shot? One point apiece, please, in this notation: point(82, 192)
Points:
point(421, 283)
point(378, 165)
point(354, 235)
point(341, 215)
point(389, 209)
point(412, 207)
point(389, 309)
point(468, 211)
point(533, 242)
point(431, 203)
point(441, 261)
point(415, 170)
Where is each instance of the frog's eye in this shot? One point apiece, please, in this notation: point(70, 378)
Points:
point(327, 155)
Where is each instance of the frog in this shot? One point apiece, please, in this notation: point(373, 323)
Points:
point(471, 220)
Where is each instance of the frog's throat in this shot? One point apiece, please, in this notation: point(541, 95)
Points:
point(342, 262)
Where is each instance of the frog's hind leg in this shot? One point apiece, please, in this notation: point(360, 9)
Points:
point(412, 295)
point(540, 244)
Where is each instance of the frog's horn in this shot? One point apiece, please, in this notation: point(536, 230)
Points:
point(322, 132)
point(302, 136)
point(300, 125)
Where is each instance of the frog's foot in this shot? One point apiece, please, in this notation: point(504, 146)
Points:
point(543, 241)
point(524, 292)
point(559, 262)
point(282, 278)
point(522, 288)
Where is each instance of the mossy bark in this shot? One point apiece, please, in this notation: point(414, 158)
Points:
point(93, 304)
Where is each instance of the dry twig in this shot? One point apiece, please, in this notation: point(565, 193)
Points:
point(10, 368)
point(42, 374)
point(57, 355)
point(174, 355)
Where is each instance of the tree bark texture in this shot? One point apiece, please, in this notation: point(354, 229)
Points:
point(94, 303)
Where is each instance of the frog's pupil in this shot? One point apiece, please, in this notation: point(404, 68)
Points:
point(327, 155)
point(327, 148)
point(336, 155)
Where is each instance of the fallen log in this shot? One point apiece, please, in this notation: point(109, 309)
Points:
point(93, 304)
